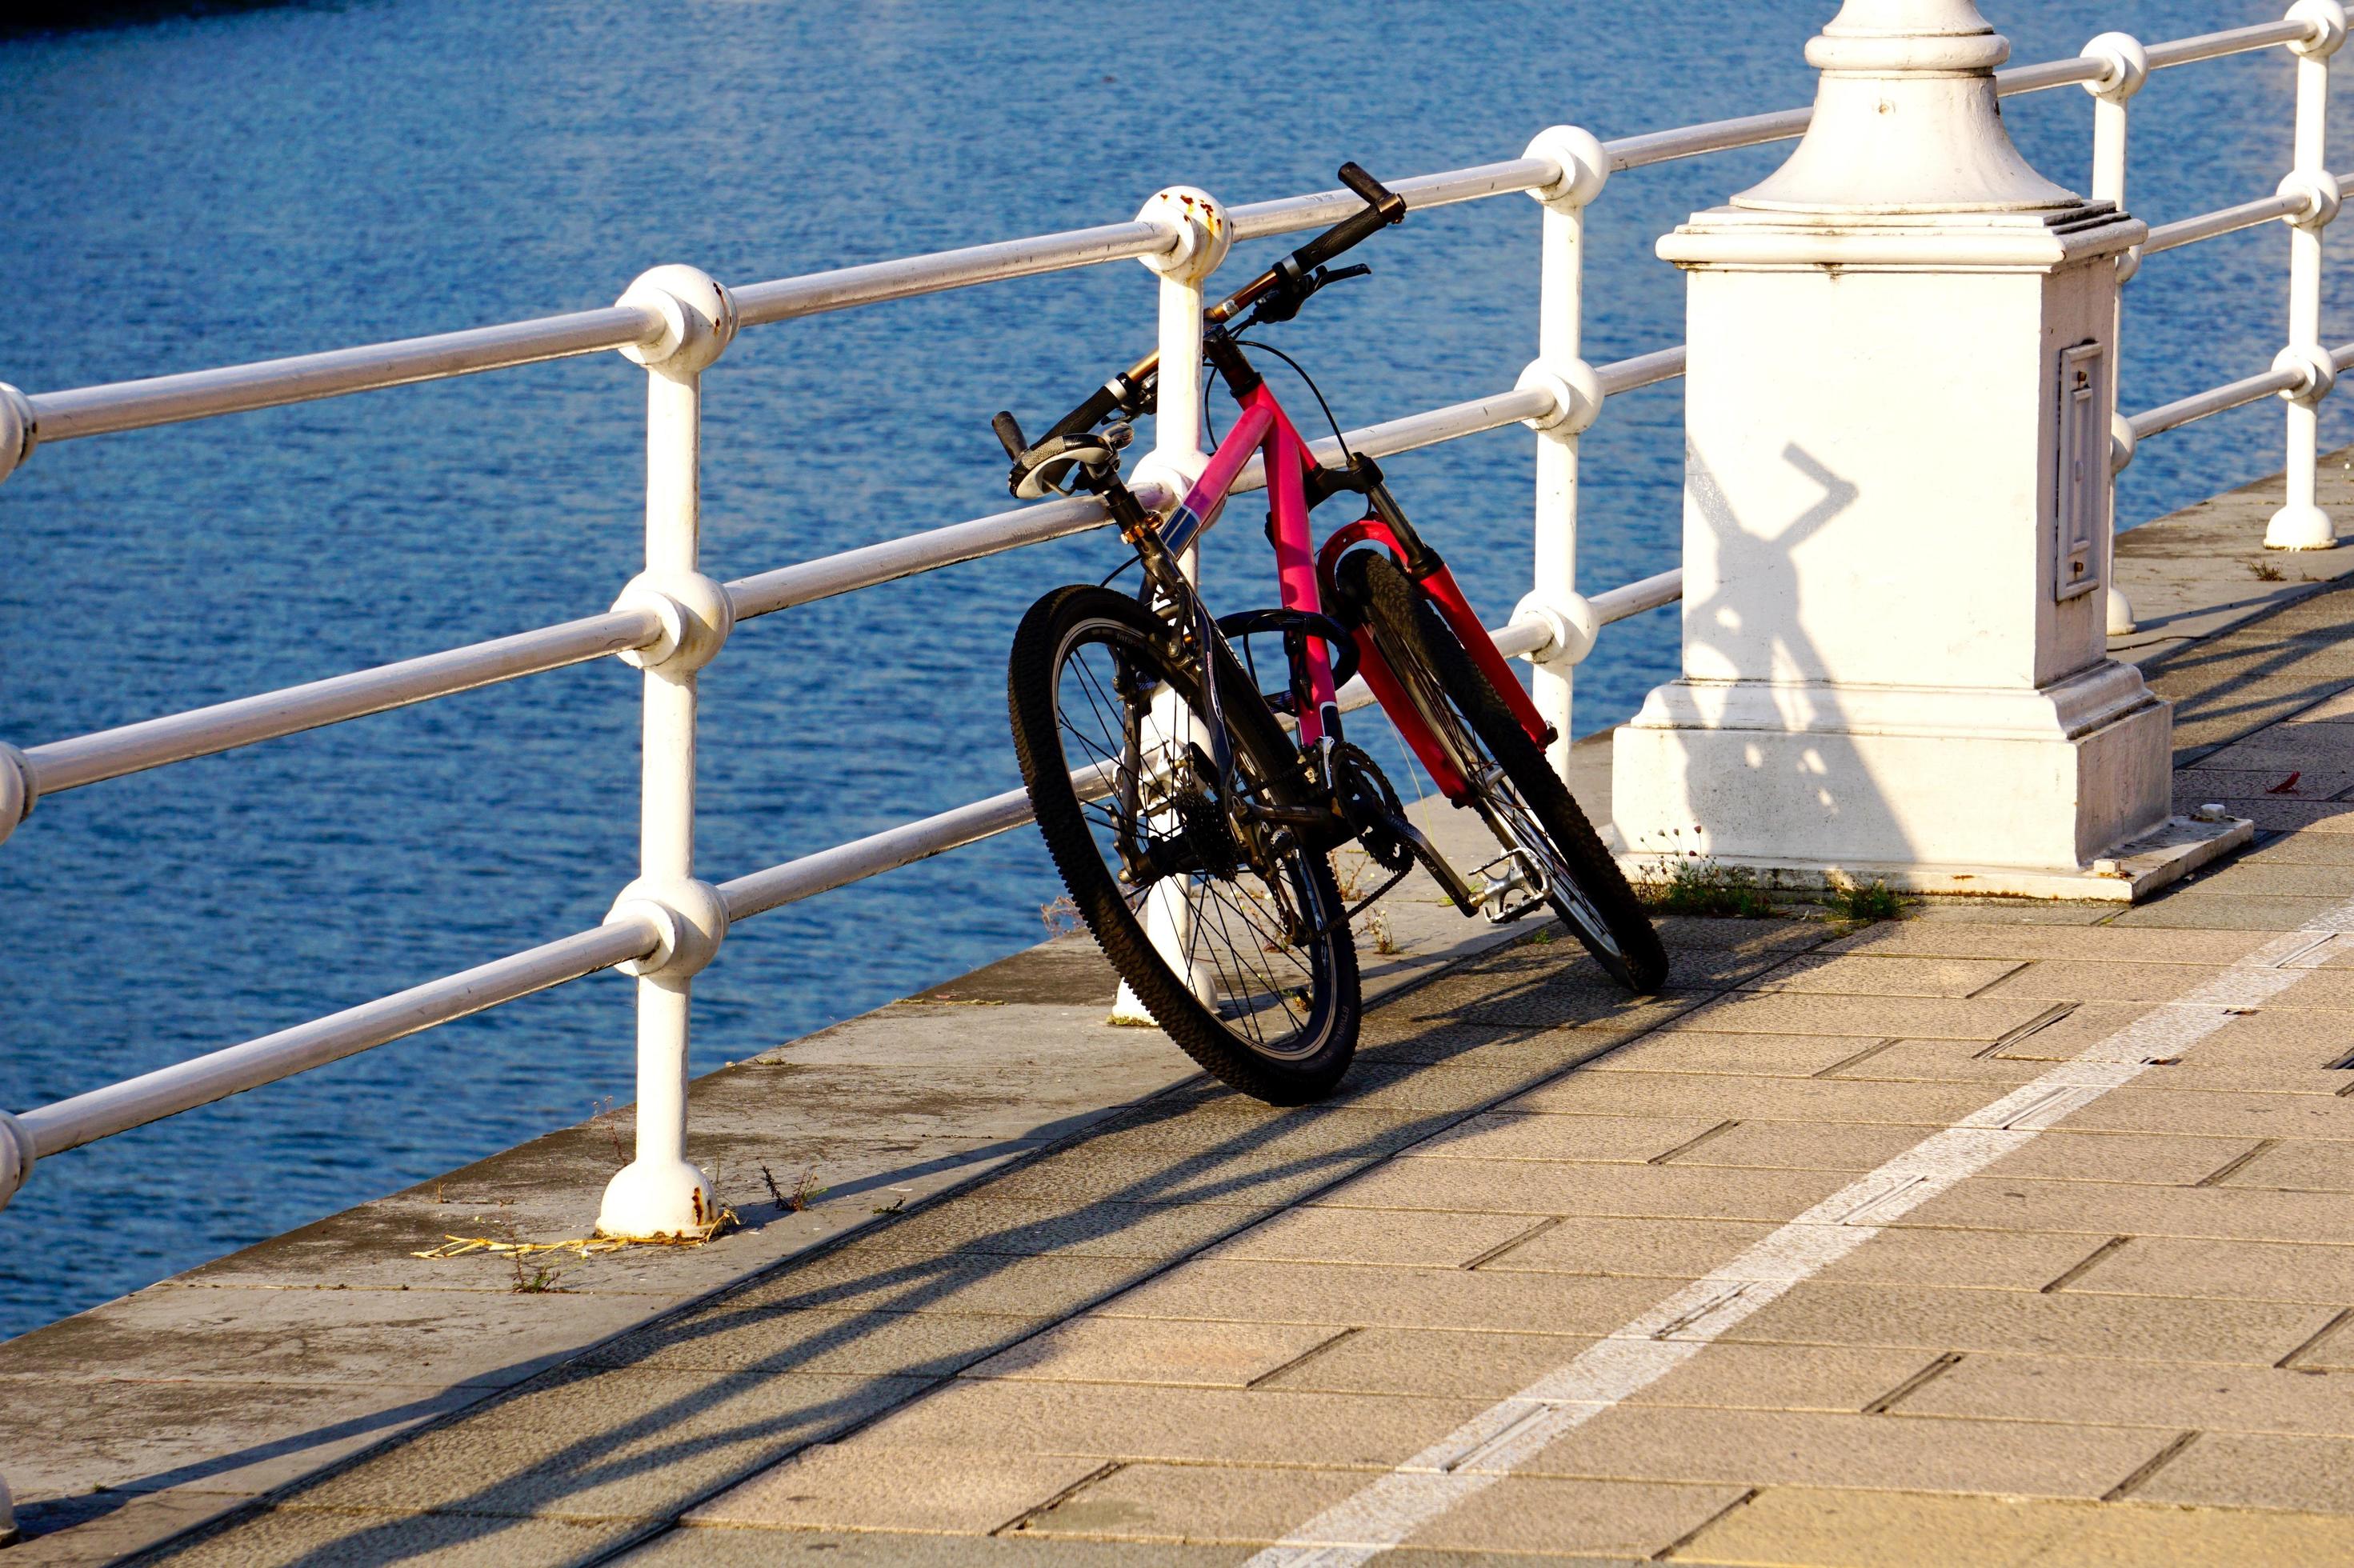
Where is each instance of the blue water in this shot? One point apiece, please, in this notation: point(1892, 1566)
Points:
point(190, 193)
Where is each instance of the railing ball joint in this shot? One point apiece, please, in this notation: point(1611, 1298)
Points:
point(699, 319)
point(693, 612)
point(2123, 443)
point(1577, 393)
point(1199, 233)
point(2327, 18)
point(2317, 372)
point(2127, 64)
point(1584, 162)
point(18, 433)
point(1162, 479)
point(18, 790)
point(2319, 191)
point(17, 1155)
point(689, 920)
point(1571, 624)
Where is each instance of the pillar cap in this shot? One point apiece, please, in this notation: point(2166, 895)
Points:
point(1905, 122)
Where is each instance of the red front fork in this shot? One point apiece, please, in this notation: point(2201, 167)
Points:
point(1441, 588)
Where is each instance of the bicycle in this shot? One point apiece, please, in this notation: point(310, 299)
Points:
point(1192, 815)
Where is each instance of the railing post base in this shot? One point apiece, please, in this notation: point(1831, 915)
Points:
point(2297, 528)
point(654, 1199)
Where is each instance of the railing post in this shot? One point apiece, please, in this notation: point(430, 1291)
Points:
point(2128, 65)
point(1200, 237)
point(659, 1194)
point(1559, 370)
point(2301, 524)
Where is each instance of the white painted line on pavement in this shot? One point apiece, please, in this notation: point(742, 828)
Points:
point(1492, 1444)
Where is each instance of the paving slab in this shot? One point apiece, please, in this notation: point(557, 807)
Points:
point(1852, 1528)
point(1815, 1448)
point(2140, 1327)
point(830, 1487)
point(1255, 1506)
point(1159, 1351)
point(2221, 1270)
point(2168, 1396)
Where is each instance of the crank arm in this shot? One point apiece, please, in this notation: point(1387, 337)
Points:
point(1450, 881)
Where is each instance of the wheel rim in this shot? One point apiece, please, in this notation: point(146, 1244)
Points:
point(1230, 946)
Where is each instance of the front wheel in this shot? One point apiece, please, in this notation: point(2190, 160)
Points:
point(1524, 802)
point(1235, 939)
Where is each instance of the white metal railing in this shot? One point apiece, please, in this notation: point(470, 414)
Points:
point(2307, 199)
point(672, 618)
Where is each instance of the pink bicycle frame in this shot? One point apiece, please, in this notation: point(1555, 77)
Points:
point(1304, 578)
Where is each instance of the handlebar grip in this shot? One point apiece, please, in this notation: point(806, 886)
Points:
point(1009, 433)
point(1383, 206)
point(1087, 415)
point(1376, 193)
point(1349, 232)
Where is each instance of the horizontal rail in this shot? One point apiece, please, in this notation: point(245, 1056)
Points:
point(844, 288)
point(891, 848)
point(216, 1075)
point(877, 853)
point(828, 575)
point(2232, 41)
point(2047, 75)
point(1635, 598)
point(201, 394)
point(1717, 136)
point(1784, 124)
point(1288, 215)
point(201, 732)
point(1643, 370)
point(270, 382)
point(2223, 220)
point(2214, 400)
point(2231, 395)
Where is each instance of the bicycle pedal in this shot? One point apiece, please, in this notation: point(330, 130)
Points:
point(1520, 889)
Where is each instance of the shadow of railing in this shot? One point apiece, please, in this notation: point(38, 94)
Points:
point(1546, 996)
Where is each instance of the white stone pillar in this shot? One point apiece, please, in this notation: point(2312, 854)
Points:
point(1901, 377)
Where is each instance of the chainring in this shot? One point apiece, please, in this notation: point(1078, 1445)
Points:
point(1369, 803)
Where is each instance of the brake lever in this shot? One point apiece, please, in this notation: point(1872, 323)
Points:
point(1283, 304)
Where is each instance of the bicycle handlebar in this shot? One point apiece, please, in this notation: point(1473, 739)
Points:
point(1293, 277)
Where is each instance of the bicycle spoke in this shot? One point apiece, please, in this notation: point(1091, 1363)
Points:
point(1118, 711)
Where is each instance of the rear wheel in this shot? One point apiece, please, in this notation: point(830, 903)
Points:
point(1525, 803)
point(1253, 972)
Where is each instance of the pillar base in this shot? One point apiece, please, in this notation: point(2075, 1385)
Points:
point(2133, 872)
point(655, 1201)
point(1933, 783)
point(2301, 528)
